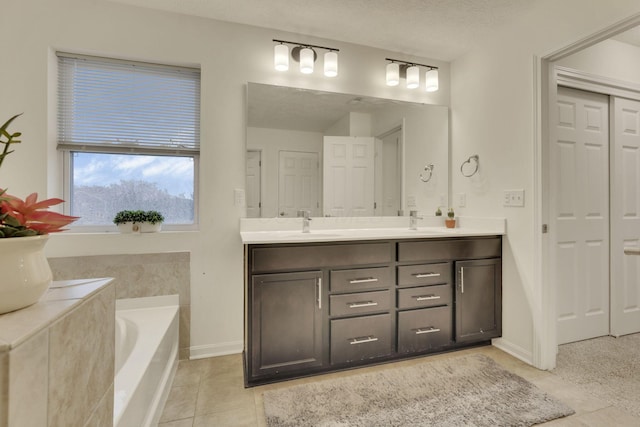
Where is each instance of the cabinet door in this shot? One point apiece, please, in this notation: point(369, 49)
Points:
point(286, 322)
point(478, 300)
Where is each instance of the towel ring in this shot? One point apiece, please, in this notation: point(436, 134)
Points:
point(476, 158)
point(427, 168)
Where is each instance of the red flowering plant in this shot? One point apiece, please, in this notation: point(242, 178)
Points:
point(20, 218)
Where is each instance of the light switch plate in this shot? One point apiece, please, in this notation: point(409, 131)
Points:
point(514, 198)
point(238, 197)
point(462, 200)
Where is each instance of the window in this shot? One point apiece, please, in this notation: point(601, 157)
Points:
point(130, 133)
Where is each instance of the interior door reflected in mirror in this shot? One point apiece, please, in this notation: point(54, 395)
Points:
point(337, 154)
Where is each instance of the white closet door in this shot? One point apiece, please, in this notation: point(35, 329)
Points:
point(348, 176)
point(625, 217)
point(579, 216)
point(298, 183)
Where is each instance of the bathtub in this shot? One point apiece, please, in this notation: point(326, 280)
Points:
point(146, 358)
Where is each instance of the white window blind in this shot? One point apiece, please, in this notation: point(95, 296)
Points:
point(113, 106)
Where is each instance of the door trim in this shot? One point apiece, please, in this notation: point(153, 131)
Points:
point(545, 346)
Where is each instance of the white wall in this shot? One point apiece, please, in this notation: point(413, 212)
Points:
point(424, 130)
point(609, 58)
point(494, 115)
point(230, 56)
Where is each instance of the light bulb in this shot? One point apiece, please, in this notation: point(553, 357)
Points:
point(413, 77)
point(306, 60)
point(331, 64)
point(281, 57)
point(393, 74)
point(431, 78)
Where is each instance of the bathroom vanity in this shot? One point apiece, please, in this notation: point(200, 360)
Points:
point(339, 299)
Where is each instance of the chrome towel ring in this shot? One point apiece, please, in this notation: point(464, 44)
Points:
point(476, 159)
point(428, 168)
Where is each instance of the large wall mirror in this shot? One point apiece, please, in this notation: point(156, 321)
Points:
point(336, 154)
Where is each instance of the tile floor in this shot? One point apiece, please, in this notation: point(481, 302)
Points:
point(210, 393)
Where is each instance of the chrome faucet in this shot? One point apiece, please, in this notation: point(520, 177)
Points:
point(413, 220)
point(304, 214)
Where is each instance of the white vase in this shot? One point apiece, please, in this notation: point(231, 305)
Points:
point(25, 271)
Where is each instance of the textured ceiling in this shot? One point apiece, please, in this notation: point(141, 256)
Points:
point(437, 29)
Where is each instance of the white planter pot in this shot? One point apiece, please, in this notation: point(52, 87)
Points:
point(127, 227)
point(147, 227)
point(25, 272)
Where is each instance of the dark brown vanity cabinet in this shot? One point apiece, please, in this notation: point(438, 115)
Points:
point(478, 300)
point(360, 307)
point(465, 285)
point(424, 306)
point(286, 322)
point(317, 307)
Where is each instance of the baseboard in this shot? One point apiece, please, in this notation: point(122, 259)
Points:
point(213, 350)
point(514, 350)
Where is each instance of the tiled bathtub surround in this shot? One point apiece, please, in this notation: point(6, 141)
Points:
point(138, 275)
point(56, 357)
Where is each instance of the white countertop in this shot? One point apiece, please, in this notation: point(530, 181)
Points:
point(289, 230)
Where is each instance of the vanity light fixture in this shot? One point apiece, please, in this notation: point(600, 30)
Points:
point(393, 74)
point(306, 56)
point(397, 69)
point(431, 77)
point(281, 57)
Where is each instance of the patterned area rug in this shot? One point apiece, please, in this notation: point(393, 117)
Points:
point(606, 367)
point(461, 391)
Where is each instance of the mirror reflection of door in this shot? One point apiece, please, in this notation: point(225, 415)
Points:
point(253, 183)
point(298, 183)
point(388, 173)
point(348, 176)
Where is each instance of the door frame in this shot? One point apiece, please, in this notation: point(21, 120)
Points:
point(400, 157)
point(262, 176)
point(545, 82)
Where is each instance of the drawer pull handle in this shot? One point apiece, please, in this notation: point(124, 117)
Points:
point(365, 280)
point(423, 275)
point(428, 330)
point(362, 304)
point(362, 340)
point(427, 297)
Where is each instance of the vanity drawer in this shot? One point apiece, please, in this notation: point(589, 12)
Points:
point(424, 274)
point(360, 338)
point(424, 296)
point(303, 257)
point(360, 303)
point(424, 329)
point(361, 279)
point(459, 249)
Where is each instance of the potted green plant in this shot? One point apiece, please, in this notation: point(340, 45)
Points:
point(450, 221)
point(24, 230)
point(128, 221)
point(152, 222)
point(438, 212)
point(138, 221)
